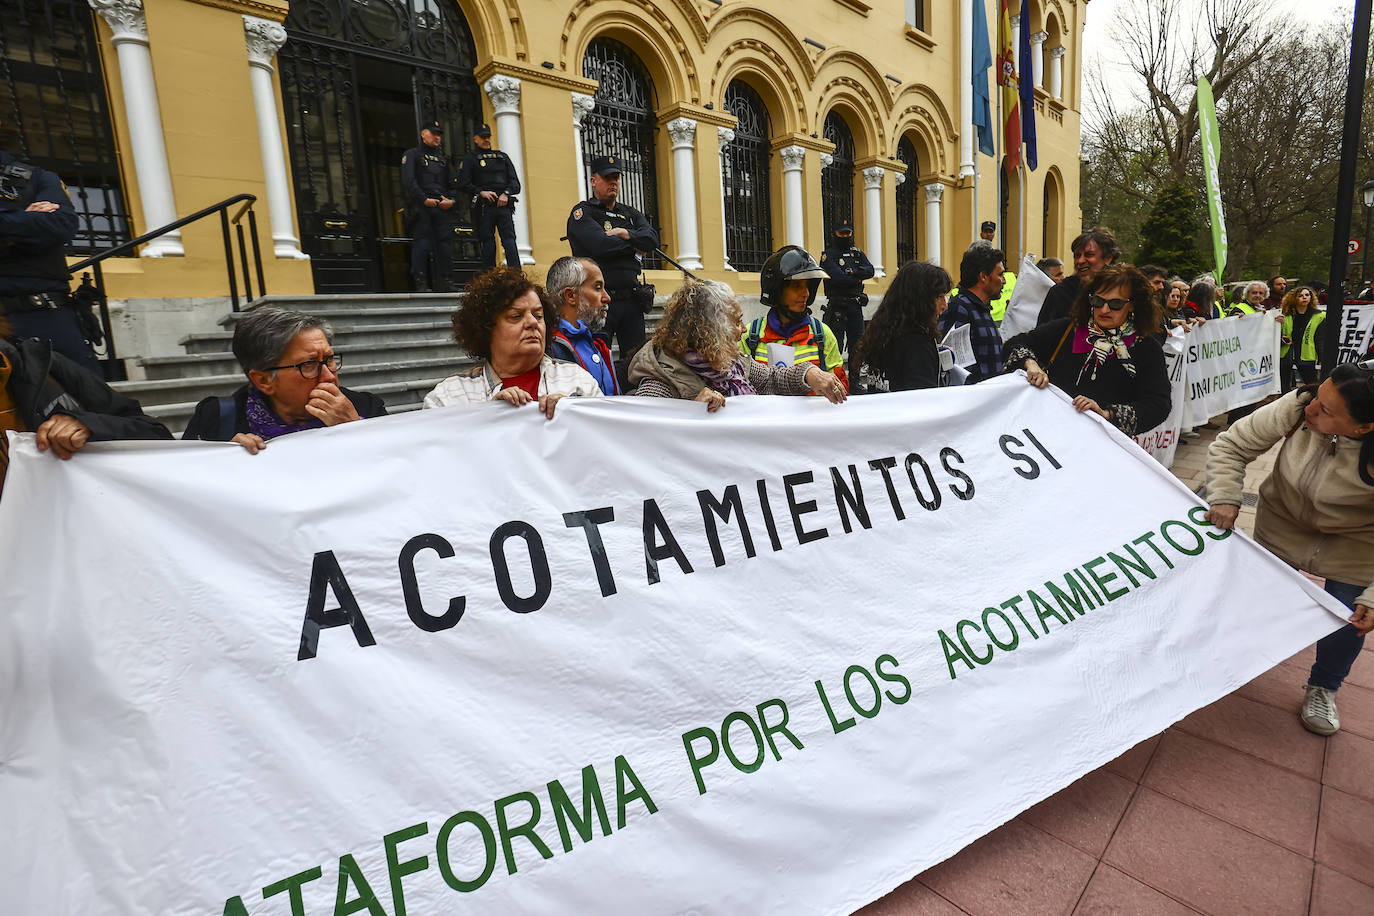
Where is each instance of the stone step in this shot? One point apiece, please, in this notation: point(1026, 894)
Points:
point(198, 365)
point(343, 333)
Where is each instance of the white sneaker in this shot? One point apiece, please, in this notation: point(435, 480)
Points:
point(1319, 711)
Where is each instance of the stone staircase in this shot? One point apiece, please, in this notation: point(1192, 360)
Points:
point(395, 346)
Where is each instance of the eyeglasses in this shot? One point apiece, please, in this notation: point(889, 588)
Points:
point(311, 367)
point(1115, 305)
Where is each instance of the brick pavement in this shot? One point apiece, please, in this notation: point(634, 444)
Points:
point(1236, 809)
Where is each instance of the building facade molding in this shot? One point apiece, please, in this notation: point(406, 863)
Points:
point(529, 74)
point(867, 119)
point(272, 10)
point(264, 38)
point(126, 19)
point(716, 118)
point(766, 71)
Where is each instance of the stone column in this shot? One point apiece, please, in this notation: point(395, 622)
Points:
point(1015, 43)
point(792, 159)
point(582, 105)
point(264, 39)
point(1038, 59)
point(683, 133)
point(967, 132)
point(873, 217)
point(1057, 71)
point(126, 19)
point(724, 136)
point(504, 92)
point(934, 192)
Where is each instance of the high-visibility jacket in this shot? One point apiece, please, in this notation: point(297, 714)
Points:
point(812, 342)
point(998, 306)
point(1307, 348)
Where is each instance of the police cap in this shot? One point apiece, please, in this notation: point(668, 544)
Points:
point(605, 166)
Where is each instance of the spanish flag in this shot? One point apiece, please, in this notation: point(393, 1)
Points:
point(1011, 96)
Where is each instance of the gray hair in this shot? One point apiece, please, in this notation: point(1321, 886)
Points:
point(568, 272)
point(262, 335)
point(1254, 283)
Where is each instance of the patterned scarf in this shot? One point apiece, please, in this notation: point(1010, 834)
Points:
point(1103, 344)
point(730, 382)
point(263, 421)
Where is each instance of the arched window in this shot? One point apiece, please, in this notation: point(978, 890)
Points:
point(837, 179)
point(1053, 225)
point(357, 81)
point(622, 125)
point(744, 180)
point(58, 117)
point(907, 211)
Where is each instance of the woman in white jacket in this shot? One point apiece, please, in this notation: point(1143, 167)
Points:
point(1316, 509)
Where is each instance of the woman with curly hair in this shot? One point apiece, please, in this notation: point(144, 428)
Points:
point(900, 348)
point(694, 354)
point(1298, 344)
point(1107, 355)
point(503, 321)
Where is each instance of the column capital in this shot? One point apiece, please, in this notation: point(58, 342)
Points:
point(827, 160)
point(724, 136)
point(682, 131)
point(1038, 38)
point(792, 158)
point(900, 178)
point(934, 191)
point(125, 18)
point(504, 92)
point(264, 39)
point(1058, 52)
point(1016, 21)
point(582, 105)
point(873, 177)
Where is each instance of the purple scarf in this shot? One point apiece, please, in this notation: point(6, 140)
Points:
point(730, 382)
point(263, 421)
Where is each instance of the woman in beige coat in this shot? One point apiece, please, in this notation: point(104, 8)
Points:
point(1316, 508)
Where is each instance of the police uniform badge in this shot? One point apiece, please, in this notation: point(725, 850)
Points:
point(607, 224)
point(482, 163)
point(841, 262)
point(404, 157)
point(577, 214)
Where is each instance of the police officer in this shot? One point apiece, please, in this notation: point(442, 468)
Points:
point(428, 183)
point(616, 236)
point(37, 220)
point(489, 176)
point(846, 268)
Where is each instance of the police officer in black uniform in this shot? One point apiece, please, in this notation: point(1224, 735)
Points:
point(37, 220)
point(428, 183)
point(847, 268)
point(616, 236)
point(489, 176)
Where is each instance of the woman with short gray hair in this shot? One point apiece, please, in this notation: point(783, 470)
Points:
point(293, 384)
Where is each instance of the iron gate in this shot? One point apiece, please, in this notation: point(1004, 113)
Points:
point(907, 210)
point(837, 179)
point(357, 80)
point(744, 165)
point(58, 117)
point(622, 125)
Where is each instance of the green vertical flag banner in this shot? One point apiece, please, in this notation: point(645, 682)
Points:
point(1211, 162)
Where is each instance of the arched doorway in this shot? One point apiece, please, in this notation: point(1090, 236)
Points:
point(744, 180)
point(622, 125)
point(837, 179)
point(357, 80)
point(908, 213)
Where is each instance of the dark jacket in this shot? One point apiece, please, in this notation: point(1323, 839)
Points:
point(44, 383)
point(1137, 403)
point(425, 173)
point(487, 170)
point(848, 268)
point(1059, 300)
point(619, 260)
point(909, 362)
point(207, 423)
point(986, 340)
point(561, 346)
point(31, 244)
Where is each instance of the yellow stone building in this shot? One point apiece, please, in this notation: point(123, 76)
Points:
point(742, 126)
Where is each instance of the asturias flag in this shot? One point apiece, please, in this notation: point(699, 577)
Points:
point(1027, 88)
point(1006, 78)
point(982, 63)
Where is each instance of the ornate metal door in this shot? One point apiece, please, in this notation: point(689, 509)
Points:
point(837, 179)
point(907, 211)
point(357, 80)
point(622, 125)
point(744, 180)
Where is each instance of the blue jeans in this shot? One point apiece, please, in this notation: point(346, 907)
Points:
point(1338, 651)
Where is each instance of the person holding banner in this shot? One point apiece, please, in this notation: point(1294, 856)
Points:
point(503, 321)
point(694, 355)
point(1316, 508)
point(1106, 355)
point(1201, 302)
point(900, 349)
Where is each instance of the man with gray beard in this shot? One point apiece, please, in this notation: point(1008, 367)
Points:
point(579, 290)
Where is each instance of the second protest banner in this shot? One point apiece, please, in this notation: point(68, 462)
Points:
point(1231, 362)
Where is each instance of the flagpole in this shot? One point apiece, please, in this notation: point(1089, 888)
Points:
point(997, 154)
point(1021, 169)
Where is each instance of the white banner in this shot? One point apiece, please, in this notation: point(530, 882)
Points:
point(1027, 298)
point(1231, 362)
point(1357, 323)
point(639, 658)
point(1162, 441)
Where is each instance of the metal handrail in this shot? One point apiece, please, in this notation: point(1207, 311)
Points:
point(114, 368)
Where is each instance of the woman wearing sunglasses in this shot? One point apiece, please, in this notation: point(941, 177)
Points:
point(293, 384)
point(1316, 507)
point(1107, 355)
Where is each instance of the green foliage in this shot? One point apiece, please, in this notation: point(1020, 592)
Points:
point(1168, 237)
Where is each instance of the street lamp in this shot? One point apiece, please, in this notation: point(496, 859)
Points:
point(1367, 189)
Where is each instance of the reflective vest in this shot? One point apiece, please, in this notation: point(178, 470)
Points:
point(813, 342)
point(1307, 349)
point(998, 306)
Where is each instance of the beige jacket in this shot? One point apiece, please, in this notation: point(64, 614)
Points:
point(1314, 510)
point(481, 383)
